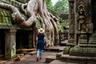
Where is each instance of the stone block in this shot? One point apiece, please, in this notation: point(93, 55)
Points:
point(50, 59)
point(83, 51)
point(66, 50)
point(58, 55)
point(83, 41)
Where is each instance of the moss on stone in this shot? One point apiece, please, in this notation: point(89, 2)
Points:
point(82, 51)
point(5, 17)
point(66, 50)
point(75, 50)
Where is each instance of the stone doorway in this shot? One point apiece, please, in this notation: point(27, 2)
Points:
point(2, 42)
point(22, 39)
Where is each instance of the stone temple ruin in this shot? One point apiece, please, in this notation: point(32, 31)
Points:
point(12, 36)
point(81, 44)
point(82, 27)
point(19, 24)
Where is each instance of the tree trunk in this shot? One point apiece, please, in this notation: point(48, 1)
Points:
point(35, 8)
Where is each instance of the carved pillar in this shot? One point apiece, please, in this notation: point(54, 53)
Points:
point(10, 43)
point(84, 46)
point(71, 37)
point(83, 22)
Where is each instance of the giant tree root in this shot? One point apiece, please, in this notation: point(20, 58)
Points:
point(35, 8)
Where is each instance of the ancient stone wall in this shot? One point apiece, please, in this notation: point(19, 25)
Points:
point(83, 22)
point(80, 26)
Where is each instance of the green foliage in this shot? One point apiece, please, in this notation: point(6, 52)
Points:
point(50, 7)
point(64, 24)
point(61, 7)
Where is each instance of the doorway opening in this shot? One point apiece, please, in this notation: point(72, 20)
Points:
point(2, 43)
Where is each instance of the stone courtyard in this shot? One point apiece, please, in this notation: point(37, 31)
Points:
point(30, 57)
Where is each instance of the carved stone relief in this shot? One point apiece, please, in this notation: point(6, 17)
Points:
point(72, 22)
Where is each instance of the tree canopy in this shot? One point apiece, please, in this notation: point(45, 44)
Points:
point(60, 7)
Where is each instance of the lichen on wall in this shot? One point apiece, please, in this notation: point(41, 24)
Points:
point(5, 17)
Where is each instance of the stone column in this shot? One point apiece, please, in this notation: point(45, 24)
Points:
point(84, 46)
point(10, 43)
point(83, 21)
point(71, 35)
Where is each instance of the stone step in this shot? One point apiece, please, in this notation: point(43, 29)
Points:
point(76, 58)
point(52, 49)
point(61, 62)
point(58, 55)
point(56, 62)
point(55, 49)
point(64, 43)
point(24, 50)
point(49, 59)
point(70, 44)
point(87, 45)
point(32, 53)
point(5, 62)
point(67, 62)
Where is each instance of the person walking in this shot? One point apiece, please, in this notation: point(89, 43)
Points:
point(40, 43)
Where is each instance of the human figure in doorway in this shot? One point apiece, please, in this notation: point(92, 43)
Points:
point(40, 43)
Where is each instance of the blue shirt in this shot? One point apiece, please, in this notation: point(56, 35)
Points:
point(40, 42)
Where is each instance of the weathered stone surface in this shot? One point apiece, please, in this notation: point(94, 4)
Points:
point(50, 59)
point(84, 36)
point(93, 39)
point(5, 17)
point(66, 50)
point(82, 23)
point(71, 34)
point(78, 59)
point(10, 44)
point(60, 62)
point(82, 51)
